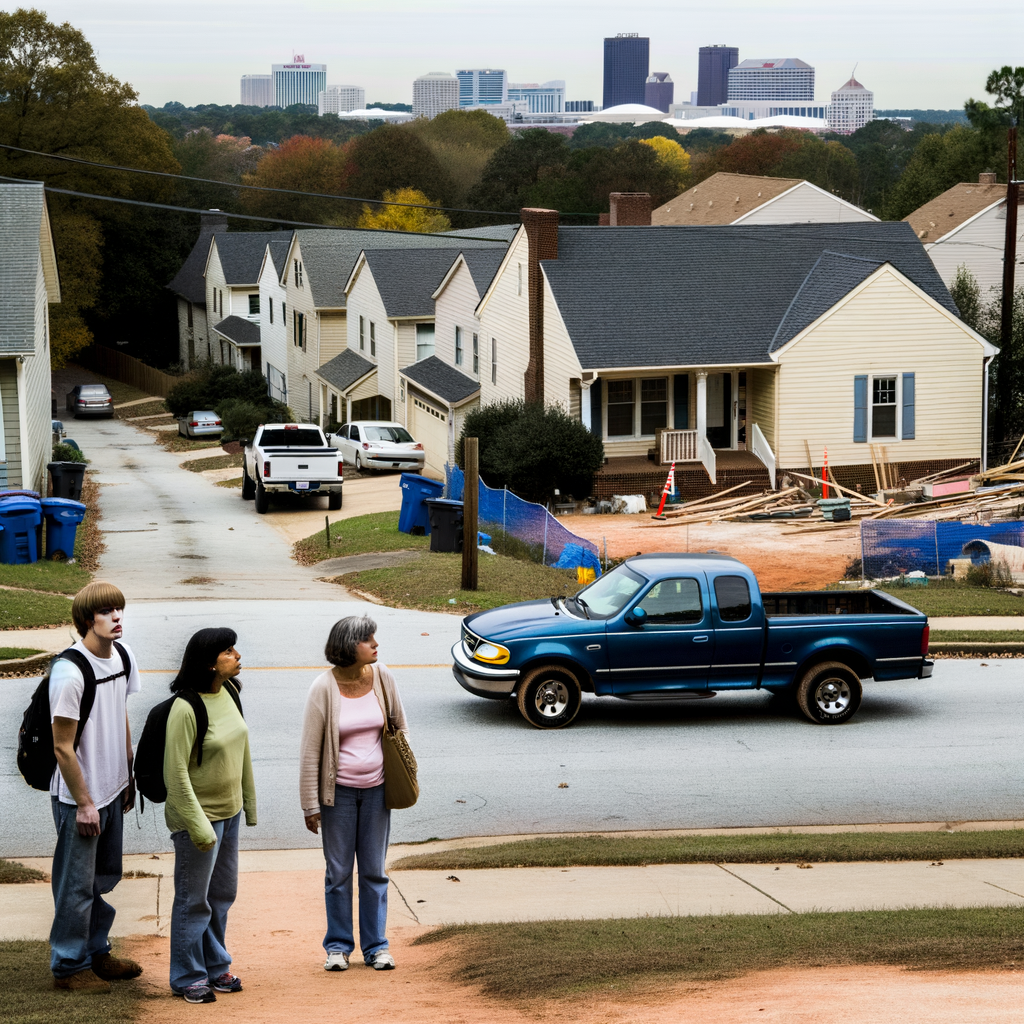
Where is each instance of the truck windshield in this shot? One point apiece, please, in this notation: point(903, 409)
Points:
point(281, 438)
point(608, 595)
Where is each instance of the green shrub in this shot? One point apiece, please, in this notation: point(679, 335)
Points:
point(67, 453)
point(211, 383)
point(989, 574)
point(241, 417)
point(486, 424)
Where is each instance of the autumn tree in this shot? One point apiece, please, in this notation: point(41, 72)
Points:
point(514, 169)
point(391, 158)
point(404, 217)
point(672, 156)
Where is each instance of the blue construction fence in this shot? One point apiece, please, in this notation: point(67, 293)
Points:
point(889, 548)
point(528, 522)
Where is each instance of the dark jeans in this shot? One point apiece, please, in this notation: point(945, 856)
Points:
point(357, 827)
point(205, 886)
point(84, 868)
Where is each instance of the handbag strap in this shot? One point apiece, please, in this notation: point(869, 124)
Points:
point(388, 727)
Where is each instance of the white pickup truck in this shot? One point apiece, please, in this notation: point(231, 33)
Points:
point(291, 458)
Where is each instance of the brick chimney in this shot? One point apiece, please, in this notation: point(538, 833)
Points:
point(211, 221)
point(629, 209)
point(542, 239)
point(987, 178)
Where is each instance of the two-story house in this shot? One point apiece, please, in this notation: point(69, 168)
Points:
point(273, 306)
point(189, 289)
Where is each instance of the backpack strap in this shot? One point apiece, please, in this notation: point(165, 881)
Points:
point(81, 662)
point(195, 702)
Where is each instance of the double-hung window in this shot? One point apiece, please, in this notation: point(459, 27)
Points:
point(270, 309)
point(254, 305)
point(621, 406)
point(494, 360)
point(653, 404)
point(424, 341)
point(373, 338)
point(883, 408)
point(476, 355)
point(299, 329)
point(362, 334)
point(458, 346)
point(298, 273)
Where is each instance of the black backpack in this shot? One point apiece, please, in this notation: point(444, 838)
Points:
point(149, 755)
point(36, 759)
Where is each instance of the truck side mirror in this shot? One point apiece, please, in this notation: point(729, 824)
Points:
point(244, 442)
point(637, 617)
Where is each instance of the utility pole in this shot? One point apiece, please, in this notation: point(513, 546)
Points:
point(470, 512)
point(1007, 357)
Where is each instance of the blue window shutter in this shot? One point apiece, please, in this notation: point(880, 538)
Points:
point(860, 409)
point(595, 407)
point(908, 407)
point(681, 401)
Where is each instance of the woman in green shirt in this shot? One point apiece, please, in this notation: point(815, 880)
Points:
point(209, 785)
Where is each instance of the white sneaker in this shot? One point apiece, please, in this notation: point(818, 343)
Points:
point(336, 961)
point(383, 961)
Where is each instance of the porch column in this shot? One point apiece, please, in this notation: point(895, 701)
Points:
point(702, 404)
point(348, 408)
point(585, 402)
point(735, 434)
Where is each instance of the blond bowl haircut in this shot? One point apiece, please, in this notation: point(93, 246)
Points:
point(90, 599)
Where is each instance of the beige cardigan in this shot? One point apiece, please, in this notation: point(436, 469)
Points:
point(318, 750)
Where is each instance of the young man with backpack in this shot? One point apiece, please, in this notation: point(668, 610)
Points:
point(91, 790)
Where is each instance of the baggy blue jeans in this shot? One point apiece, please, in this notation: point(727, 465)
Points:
point(84, 868)
point(357, 827)
point(205, 886)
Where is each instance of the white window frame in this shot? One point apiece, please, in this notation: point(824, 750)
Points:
point(458, 346)
point(494, 360)
point(476, 355)
point(637, 403)
point(362, 333)
point(373, 340)
point(886, 438)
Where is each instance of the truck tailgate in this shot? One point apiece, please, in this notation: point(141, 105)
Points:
point(297, 464)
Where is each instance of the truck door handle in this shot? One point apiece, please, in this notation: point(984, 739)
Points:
point(701, 639)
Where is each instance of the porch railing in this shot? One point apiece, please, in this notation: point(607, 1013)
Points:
point(679, 446)
point(763, 451)
point(707, 456)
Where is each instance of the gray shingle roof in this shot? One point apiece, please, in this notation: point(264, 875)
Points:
point(239, 330)
point(278, 254)
point(441, 379)
point(189, 282)
point(407, 278)
point(716, 295)
point(483, 265)
point(505, 231)
point(241, 253)
point(328, 255)
point(21, 215)
point(344, 370)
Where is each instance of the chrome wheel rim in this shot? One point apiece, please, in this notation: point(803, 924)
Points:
point(552, 698)
point(832, 696)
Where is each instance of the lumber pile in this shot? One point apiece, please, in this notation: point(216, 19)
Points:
point(716, 508)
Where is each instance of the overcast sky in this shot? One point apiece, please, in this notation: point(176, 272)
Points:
point(914, 53)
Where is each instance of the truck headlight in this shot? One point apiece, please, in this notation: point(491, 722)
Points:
point(493, 654)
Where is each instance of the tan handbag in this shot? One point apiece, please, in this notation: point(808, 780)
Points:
point(400, 786)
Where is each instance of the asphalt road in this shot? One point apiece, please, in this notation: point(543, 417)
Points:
point(947, 749)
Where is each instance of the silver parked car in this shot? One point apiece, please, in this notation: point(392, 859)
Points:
point(377, 444)
point(90, 400)
point(202, 423)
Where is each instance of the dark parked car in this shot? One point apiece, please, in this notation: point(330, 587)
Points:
point(90, 400)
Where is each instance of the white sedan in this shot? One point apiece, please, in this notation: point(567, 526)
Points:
point(377, 444)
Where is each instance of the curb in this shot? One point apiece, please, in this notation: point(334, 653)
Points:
point(978, 648)
point(33, 665)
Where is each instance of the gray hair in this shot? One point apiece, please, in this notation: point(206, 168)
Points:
point(345, 635)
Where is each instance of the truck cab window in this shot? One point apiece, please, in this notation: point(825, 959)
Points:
point(671, 602)
point(733, 594)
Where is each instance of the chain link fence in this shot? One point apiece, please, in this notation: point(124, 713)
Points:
point(890, 548)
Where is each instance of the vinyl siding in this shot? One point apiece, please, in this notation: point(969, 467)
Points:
point(506, 317)
point(302, 364)
point(274, 339)
point(885, 327)
point(37, 435)
point(456, 307)
point(761, 403)
point(364, 300)
point(805, 205)
point(561, 363)
point(11, 424)
point(333, 335)
point(215, 284)
point(979, 244)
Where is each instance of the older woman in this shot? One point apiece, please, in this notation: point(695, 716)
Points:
point(341, 787)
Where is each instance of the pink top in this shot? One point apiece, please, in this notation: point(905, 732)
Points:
point(360, 754)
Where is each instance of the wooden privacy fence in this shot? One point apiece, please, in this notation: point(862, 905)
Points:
point(127, 369)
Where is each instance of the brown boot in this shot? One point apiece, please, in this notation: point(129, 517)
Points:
point(85, 982)
point(113, 968)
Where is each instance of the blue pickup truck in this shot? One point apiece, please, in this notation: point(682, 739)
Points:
point(678, 627)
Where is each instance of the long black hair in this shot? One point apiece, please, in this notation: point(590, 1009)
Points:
point(197, 672)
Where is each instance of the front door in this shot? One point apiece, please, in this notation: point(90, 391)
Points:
point(720, 410)
point(673, 649)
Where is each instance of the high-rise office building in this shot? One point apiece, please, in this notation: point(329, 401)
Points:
point(580, 107)
point(531, 98)
point(257, 90)
point(434, 93)
point(659, 90)
point(482, 87)
point(298, 82)
point(626, 67)
point(340, 99)
point(714, 64)
point(851, 108)
point(783, 79)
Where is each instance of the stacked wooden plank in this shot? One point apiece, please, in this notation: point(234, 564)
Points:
point(716, 508)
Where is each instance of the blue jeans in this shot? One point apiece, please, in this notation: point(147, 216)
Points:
point(357, 827)
point(205, 886)
point(84, 867)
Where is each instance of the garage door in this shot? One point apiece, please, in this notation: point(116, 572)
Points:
point(430, 428)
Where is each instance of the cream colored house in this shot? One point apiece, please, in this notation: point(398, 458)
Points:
point(966, 225)
point(28, 284)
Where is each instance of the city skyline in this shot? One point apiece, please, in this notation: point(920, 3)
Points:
point(198, 51)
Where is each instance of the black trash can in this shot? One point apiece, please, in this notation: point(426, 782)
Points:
point(445, 524)
point(67, 479)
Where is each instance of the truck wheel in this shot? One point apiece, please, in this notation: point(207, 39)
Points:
point(248, 487)
point(334, 501)
point(262, 498)
point(549, 697)
point(829, 693)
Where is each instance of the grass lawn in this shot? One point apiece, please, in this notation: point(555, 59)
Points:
point(130, 412)
point(978, 636)
point(174, 442)
point(957, 599)
point(786, 848)
point(10, 653)
point(13, 873)
point(560, 959)
point(27, 995)
point(122, 392)
point(25, 609)
point(53, 577)
point(214, 462)
point(358, 536)
point(235, 483)
point(434, 579)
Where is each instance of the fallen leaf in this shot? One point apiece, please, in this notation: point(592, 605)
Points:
point(563, 785)
point(806, 867)
point(460, 801)
point(453, 878)
point(424, 634)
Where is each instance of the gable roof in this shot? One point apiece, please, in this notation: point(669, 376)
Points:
point(722, 198)
point(241, 253)
point(956, 206)
point(239, 330)
point(481, 265)
point(441, 380)
point(716, 296)
point(189, 282)
point(345, 369)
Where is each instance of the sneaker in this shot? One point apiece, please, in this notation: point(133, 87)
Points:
point(228, 982)
point(114, 968)
point(382, 961)
point(336, 961)
point(201, 993)
point(87, 982)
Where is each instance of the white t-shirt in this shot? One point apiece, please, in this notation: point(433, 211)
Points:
point(101, 753)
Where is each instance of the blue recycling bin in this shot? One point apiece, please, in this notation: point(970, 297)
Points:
point(21, 519)
point(4, 495)
point(62, 517)
point(416, 491)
